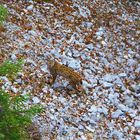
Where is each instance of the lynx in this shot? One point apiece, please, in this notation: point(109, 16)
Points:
point(73, 77)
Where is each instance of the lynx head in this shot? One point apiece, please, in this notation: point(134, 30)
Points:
point(50, 63)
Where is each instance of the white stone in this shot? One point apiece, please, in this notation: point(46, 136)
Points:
point(69, 53)
point(117, 134)
point(103, 110)
point(137, 117)
point(137, 69)
point(4, 78)
point(62, 100)
point(82, 105)
point(75, 53)
point(81, 127)
point(80, 133)
point(85, 118)
point(109, 77)
point(99, 38)
point(126, 129)
point(107, 85)
point(132, 112)
point(105, 61)
point(93, 109)
point(36, 100)
point(15, 90)
point(129, 101)
point(137, 137)
point(44, 68)
point(90, 129)
point(13, 57)
point(86, 84)
point(100, 32)
point(90, 46)
point(83, 137)
point(32, 32)
point(19, 81)
point(113, 98)
point(122, 75)
point(52, 117)
point(131, 62)
point(92, 121)
point(119, 82)
point(30, 7)
point(74, 64)
point(26, 36)
point(87, 24)
point(28, 60)
point(45, 89)
point(137, 124)
point(84, 11)
point(103, 43)
point(116, 114)
point(123, 107)
point(137, 88)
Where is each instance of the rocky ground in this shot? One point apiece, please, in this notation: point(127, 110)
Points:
point(100, 40)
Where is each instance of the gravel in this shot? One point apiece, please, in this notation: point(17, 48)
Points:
point(100, 43)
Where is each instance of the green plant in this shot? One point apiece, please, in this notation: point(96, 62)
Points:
point(9, 68)
point(15, 114)
point(3, 14)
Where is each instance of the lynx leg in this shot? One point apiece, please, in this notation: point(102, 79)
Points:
point(73, 84)
point(53, 79)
